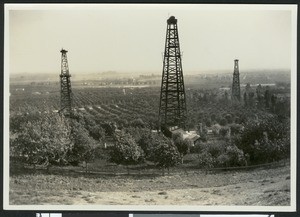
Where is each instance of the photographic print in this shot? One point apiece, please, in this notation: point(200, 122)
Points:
point(150, 107)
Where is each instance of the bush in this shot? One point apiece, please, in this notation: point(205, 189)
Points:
point(166, 154)
point(223, 122)
point(126, 151)
point(219, 154)
point(235, 156)
point(149, 142)
point(235, 129)
point(206, 160)
point(45, 140)
point(181, 144)
point(265, 141)
point(84, 146)
point(225, 132)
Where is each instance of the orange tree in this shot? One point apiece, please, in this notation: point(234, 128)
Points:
point(125, 150)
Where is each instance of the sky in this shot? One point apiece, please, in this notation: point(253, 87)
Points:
point(131, 38)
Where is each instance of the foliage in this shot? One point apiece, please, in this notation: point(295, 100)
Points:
point(138, 133)
point(235, 129)
point(219, 154)
point(97, 132)
point(224, 131)
point(138, 123)
point(181, 144)
point(126, 151)
point(216, 129)
point(101, 112)
point(43, 141)
point(166, 154)
point(83, 145)
point(223, 122)
point(149, 142)
point(233, 157)
point(266, 140)
point(109, 127)
point(206, 160)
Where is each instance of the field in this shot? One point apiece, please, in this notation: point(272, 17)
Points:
point(128, 116)
point(260, 187)
point(124, 105)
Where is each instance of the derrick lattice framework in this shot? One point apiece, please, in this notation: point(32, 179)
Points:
point(65, 86)
point(236, 91)
point(172, 109)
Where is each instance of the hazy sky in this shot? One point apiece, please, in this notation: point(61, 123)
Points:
point(131, 38)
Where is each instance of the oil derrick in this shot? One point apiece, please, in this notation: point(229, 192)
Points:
point(65, 86)
point(172, 107)
point(236, 91)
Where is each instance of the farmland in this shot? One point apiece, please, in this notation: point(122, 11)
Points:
point(113, 135)
point(126, 104)
point(107, 103)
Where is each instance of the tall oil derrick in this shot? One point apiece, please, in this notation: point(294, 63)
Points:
point(172, 107)
point(65, 86)
point(236, 90)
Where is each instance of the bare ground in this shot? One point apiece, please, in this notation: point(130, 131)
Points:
point(260, 187)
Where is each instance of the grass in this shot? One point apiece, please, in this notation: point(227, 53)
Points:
point(40, 187)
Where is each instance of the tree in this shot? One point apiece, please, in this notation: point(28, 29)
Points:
point(265, 140)
point(206, 161)
point(43, 141)
point(235, 129)
point(126, 151)
point(166, 154)
point(229, 118)
point(84, 147)
point(246, 99)
point(225, 132)
point(267, 97)
point(109, 127)
point(181, 144)
point(223, 122)
point(97, 132)
point(148, 142)
point(138, 123)
point(235, 156)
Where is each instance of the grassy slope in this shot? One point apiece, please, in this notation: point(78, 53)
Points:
point(254, 187)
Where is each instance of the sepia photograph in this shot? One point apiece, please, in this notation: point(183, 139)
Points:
point(150, 107)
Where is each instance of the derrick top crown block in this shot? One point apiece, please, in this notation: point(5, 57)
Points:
point(172, 20)
point(63, 51)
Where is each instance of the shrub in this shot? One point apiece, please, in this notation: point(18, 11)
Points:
point(126, 151)
point(224, 131)
point(235, 129)
point(206, 160)
point(235, 156)
point(84, 146)
point(166, 154)
point(181, 144)
point(266, 140)
point(219, 154)
point(45, 140)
